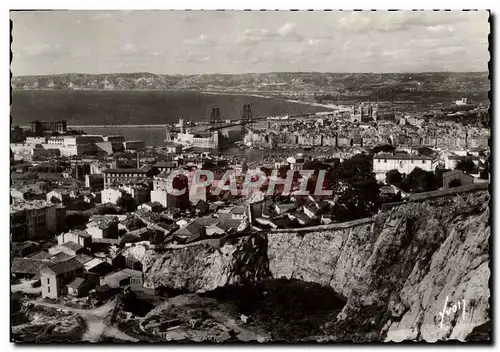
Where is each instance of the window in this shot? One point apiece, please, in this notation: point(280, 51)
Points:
point(423, 161)
point(385, 160)
point(48, 281)
point(48, 289)
point(412, 161)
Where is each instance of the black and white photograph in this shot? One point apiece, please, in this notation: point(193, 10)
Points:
point(231, 176)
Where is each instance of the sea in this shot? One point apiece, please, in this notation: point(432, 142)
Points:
point(97, 108)
point(139, 115)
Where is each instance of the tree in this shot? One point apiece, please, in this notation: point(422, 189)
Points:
point(386, 148)
point(393, 177)
point(455, 183)
point(356, 189)
point(126, 203)
point(466, 166)
point(419, 181)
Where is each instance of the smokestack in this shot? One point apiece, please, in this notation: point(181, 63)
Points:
point(138, 160)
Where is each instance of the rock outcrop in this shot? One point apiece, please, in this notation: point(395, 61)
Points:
point(199, 268)
point(396, 272)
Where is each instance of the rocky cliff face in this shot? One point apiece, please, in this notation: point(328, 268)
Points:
point(396, 273)
point(203, 267)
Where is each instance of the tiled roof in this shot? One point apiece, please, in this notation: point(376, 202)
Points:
point(76, 283)
point(28, 266)
point(63, 267)
point(72, 245)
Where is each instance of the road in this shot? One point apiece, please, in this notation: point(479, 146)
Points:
point(96, 328)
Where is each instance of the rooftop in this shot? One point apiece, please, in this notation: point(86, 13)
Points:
point(63, 267)
point(76, 283)
point(124, 171)
point(402, 157)
point(29, 266)
point(72, 245)
point(31, 205)
point(166, 164)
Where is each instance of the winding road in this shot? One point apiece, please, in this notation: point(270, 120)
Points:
point(96, 327)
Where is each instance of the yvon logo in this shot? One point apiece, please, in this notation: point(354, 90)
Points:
point(447, 311)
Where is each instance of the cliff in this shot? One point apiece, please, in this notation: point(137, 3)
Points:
point(395, 272)
point(199, 268)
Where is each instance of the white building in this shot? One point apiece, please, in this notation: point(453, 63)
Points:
point(111, 195)
point(160, 196)
point(404, 163)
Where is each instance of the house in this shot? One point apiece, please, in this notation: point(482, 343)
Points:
point(164, 166)
point(387, 192)
point(111, 195)
point(238, 213)
point(457, 178)
point(22, 249)
point(311, 209)
point(190, 233)
point(82, 238)
point(78, 287)
point(94, 182)
point(35, 219)
point(103, 226)
point(122, 278)
point(98, 266)
point(70, 248)
point(151, 206)
point(54, 278)
point(404, 163)
point(28, 268)
point(60, 196)
point(282, 208)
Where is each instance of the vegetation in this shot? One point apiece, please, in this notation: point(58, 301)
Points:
point(466, 166)
point(357, 191)
point(394, 177)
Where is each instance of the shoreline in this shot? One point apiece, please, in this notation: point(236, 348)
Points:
point(334, 107)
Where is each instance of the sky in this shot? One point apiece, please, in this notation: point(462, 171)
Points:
point(203, 42)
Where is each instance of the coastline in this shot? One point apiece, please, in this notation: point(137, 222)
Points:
point(330, 107)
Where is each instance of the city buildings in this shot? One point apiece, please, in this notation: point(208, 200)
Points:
point(116, 177)
point(36, 219)
point(404, 163)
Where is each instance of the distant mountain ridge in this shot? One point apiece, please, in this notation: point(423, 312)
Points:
point(467, 82)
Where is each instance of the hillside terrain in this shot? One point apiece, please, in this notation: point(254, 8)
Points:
point(393, 276)
point(473, 84)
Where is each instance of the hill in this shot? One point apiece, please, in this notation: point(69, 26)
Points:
point(347, 84)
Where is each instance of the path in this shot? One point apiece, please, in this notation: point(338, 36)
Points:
point(96, 327)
